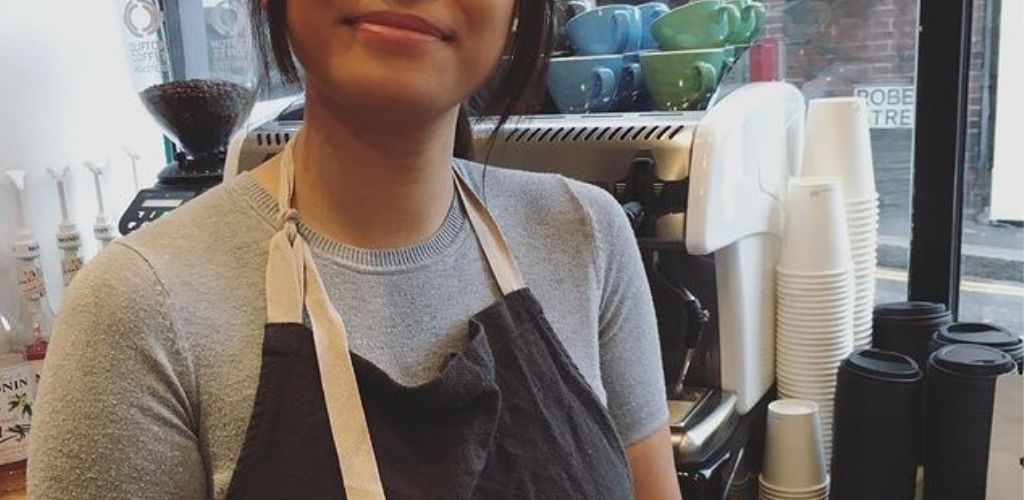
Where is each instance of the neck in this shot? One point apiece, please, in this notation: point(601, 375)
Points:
point(373, 182)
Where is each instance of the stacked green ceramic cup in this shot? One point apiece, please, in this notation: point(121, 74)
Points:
point(699, 42)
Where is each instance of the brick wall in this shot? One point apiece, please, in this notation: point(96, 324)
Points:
point(832, 45)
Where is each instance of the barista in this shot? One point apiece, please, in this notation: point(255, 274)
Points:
point(367, 315)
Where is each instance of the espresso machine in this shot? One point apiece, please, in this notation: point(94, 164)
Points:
point(704, 192)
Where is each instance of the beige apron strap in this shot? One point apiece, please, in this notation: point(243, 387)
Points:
point(341, 392)
point(285, 266)
point(496, 250)
point(293, 282)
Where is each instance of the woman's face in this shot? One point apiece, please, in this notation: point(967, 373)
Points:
point(406, 56)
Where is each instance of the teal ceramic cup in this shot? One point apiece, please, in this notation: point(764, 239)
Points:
point(591, 84)
point(751, 25)
point(682, 80)
point(611, 29)
point(649, 12)
point(631, 84)
point(698, 25)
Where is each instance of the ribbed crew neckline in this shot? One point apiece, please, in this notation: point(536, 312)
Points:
point(452, 229)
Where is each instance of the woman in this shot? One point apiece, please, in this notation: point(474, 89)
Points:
point(205, 356)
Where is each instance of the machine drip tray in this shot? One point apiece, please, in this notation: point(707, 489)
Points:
point(701, 420)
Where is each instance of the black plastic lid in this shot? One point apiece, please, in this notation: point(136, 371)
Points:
point(973, 360)
point(881, 364)
point(979, 333)
point(910, 310)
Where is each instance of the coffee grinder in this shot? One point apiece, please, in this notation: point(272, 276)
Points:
point(192, 64)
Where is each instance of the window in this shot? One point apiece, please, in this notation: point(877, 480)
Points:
point(992, 254)
point(832, 48)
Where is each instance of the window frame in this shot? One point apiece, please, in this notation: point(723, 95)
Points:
point(940, 140)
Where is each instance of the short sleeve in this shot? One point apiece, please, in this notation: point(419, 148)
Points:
point(630, 352)
point(114, 417)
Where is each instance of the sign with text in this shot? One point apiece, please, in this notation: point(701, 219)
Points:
point(889, 106)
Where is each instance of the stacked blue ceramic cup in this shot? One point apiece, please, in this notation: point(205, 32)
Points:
point(604, 72)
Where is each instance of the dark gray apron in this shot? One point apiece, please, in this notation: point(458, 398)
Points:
point(510, 417)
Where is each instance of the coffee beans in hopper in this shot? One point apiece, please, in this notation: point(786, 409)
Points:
point(199, 114)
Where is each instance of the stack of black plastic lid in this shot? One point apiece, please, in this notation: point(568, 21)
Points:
point(908, 327)
point(877, 436)
point(960, 392)
point(985, 334)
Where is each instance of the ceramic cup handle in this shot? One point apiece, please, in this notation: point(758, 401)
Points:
point(621, 31)
point(603, 88)
point(578, 7)
point(655, 13)
point(708, 76)
point(759, 13)
point(633, 78)
point(731, 16)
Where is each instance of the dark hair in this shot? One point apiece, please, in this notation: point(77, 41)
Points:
point(516, 86)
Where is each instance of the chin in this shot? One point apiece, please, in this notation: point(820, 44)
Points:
point(378, 87)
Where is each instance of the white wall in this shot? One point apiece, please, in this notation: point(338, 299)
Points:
point(1008, 167)
point(66, 97)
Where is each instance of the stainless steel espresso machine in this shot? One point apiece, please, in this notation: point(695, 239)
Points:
point(704, 192)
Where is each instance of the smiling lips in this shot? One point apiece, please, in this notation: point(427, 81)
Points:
point(398, 27)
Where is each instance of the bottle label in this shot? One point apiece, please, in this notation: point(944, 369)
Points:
point(69, 240)
point(17, 391)
point(69, 267)
point(30, 279)
point(104, 232)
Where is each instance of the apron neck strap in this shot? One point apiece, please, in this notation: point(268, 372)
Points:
point(496, 249)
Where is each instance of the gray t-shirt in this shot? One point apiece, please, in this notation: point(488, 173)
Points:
point(153, 364)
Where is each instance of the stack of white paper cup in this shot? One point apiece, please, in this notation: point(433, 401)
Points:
point(838, 144)
point(814, 287)
point(794, 464)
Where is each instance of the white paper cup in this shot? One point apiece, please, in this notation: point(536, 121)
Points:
point(814, 299)
point(809, 376)
point(868, 264)
point(811, 308)
point(816, 239)
point(862, 207)
point(808, 332)
point(823, 317)
point(768, 491)
point(821, 346)
point(819, 391)
point(769, 486)
point(798, 370)
point(863, 245)
point(793, 329)
point(808, 309)
point(838, 144)
point(797, 322)
point(807, 352)
point(833, 285)
point(808, 366)
point(809, 361)
point(798, 275)
point(793, 455)
point(814, 277)
point(817, 387)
